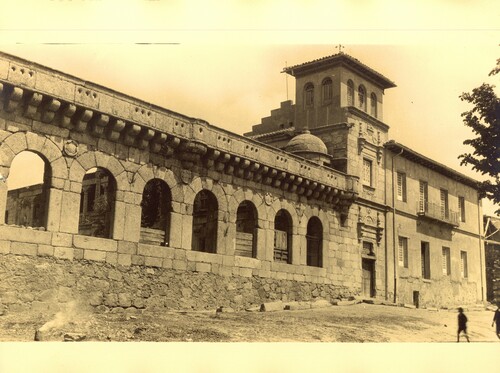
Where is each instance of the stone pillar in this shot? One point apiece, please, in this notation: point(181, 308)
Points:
point(68, 221)
point(268, 250)
point(54, 203)
point(132, 217)
point(176, 230)
point(261, 246)
point(118, 223)
point(3, 200)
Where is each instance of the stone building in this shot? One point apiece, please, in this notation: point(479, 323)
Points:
point(298, 209)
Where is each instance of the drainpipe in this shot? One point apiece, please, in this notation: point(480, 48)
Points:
point(479, 217)
point(394, 226)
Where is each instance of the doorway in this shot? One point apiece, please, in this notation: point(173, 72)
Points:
point(368, 280)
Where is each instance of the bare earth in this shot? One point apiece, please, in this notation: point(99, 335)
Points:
point(354, 323)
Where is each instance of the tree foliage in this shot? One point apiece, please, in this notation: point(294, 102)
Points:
point(484, 120)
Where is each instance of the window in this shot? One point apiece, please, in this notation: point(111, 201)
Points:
point(205, 212)
point(309, 94)
point(246, 230)
point(327, 90)
point(444, 204)
point(156, 206)
point(425, 257)
point(314, 241)
point(464, 271)
point(401, 188)
point(282, 237)
point(373, 105)
point(367, 172)
point(423, 197)
point(350, 93)
point(461, 208)
point(403, 252)
point(362, 97)
point(446, 261)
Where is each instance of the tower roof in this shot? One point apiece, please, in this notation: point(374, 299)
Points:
point(339, 59)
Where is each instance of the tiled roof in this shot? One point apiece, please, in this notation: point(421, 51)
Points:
point(338, 58)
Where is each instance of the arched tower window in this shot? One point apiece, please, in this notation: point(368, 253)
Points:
point(283, 237)
point(97, 202)
point(327, 89)
point(156, 207)
point(205, 213)
point(373, 105)
point(309, 95)
point(350, 93)
point(246, 229)
point(362, 97)
point(28, 191)
point(314, 237)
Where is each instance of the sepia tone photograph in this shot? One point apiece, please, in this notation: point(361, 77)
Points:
point(222, 187)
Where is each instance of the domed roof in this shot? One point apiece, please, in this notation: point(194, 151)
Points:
point(306, 143)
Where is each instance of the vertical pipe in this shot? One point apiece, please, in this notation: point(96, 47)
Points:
point(395, 263)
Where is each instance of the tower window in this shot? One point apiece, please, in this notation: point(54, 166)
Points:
point(362, 97)
point(309, 94)
point(327, 89)
point(350, 93)
point(373, 105)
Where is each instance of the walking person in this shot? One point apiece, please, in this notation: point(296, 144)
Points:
point(496, 319)
point(462, 324)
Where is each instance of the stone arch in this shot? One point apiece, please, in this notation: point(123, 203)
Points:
point(198, 184)
point(314, 242)
point(156, 209)
point(283, 233)
point(205, 222)
point(27, 202)
point(246, 229)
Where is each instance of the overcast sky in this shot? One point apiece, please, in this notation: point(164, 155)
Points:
point(223, 63)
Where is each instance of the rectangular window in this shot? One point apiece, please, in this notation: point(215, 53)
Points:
point(367, 248)
point(464, 271)
point(446, 261)
point(403, 252)
point(461, 208)
point(423, 197)
point(425, 257)
point(444, 204)
point(401, 187)
point(367, 172)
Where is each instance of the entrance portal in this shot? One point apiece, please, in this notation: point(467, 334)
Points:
point(368, 280)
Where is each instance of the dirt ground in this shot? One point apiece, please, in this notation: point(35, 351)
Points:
point(354, 323)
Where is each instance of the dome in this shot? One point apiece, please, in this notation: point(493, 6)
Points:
point(306, 143)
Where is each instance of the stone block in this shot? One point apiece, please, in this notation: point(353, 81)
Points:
point(124, 300)
point(137, 260)
point(167, 263)
point(4, 247)
point(132, 230)
point(125, 259)
point(320, 303)
point(228, 260)
point(62, 239)
point(272, 306)
point(203, 267)
point(155, 250)
point(180, 254)
point(111, 258)
point(126, 247)
point(180, 265)
point(119, 221)
point(64, 252)
point(21, 248)
point(94, 243)
point(150, 261)
point(176, 230)
point(77, 254)
point(27, 235)
point(98, 256)
point(246, 272)
point(71, 202)
point(241, 261)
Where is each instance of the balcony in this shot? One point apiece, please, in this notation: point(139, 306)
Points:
point(437, 213)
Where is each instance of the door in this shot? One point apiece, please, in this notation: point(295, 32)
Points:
point(368, 284)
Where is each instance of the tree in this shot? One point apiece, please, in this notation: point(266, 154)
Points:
point(484, 119)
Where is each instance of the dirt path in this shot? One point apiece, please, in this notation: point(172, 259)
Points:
point(355, 323)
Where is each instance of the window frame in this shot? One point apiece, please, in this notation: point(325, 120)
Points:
point(309, 95)
point(401, 194)
point(461, 208)
point(446, 260)
point(369, 162)
point(464, 265)
point(327, 90)
point(403, 255)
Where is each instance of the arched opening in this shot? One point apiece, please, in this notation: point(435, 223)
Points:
point(362, 97)
point(350, 93)
point(283, 237)
point(327, 90)
point(205, 212)
point(156, 206)
point(309, 95)
point(28, 187)
point(314, 237)
point(97, 202)
point(373, 105)
point(246, 230)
